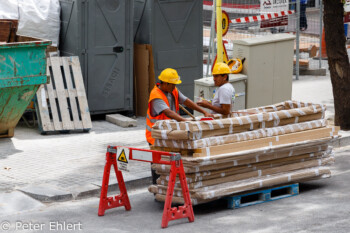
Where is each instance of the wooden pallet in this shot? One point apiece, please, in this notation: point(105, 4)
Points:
point(308, 48)
point(262, 196)
point(303, 63)
point(62, 104)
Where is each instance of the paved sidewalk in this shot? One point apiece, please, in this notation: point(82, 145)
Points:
point(64, 166)
point(318, 89)
point(70, 166)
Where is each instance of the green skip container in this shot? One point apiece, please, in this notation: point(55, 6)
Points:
point(22, 71)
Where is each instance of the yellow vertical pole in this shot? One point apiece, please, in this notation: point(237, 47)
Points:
point(219, 49)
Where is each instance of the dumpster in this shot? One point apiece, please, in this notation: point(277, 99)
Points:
point(22, 71)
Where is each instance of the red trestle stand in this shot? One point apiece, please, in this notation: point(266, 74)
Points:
point(112, 202)
point(169, 213)
point(184, 211)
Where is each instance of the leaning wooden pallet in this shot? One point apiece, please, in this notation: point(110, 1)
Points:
point(273, 145)
point(62, 104)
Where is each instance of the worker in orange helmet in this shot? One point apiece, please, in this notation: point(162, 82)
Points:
point(163, 103)
point(224, 94)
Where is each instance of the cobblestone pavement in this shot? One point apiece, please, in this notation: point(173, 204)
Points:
point(65, 161)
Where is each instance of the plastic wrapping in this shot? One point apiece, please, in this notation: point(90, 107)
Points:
point(219, 177)
point(202, 129)
point(257, 148)
point(9, 9)
point(261, 155)
point(194, 130)
point(237, 137)
point(196, 171)
point(243, 157)
point(269, 142)
point(40, 19)
point(229, 188)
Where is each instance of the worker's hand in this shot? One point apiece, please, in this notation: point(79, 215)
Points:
point(204, 103)
point(184, 119)
point(207, 114)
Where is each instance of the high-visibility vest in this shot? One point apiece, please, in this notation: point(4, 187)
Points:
point(156, 93)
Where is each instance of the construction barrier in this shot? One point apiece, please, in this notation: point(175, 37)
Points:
point(323, 54)
point(262, 17)
point(323, 46)
point(121, 156)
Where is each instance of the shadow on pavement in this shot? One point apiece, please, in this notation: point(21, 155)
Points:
point(7, 148)
point(307, 187)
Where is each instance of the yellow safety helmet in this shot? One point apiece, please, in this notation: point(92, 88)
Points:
point(221, 68)
point(169, 76)
point(236, 65)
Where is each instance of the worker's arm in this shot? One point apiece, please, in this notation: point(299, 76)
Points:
point(224, 109)
point(173, 115)
point(189, 103)
point(158, 106)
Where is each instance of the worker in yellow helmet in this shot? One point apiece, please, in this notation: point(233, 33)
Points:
point(224, 94)
point(164, 103)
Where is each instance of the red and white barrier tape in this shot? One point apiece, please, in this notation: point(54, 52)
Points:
point(261, 17)
point(233, 7)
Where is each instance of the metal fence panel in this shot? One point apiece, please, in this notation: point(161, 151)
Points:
point(252, 15)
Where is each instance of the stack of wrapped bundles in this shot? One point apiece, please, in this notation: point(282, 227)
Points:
point(253, 149)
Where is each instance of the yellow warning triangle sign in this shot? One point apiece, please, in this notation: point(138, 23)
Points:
point(122, 157)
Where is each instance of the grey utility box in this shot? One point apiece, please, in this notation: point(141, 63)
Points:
point(205, 87)
point(100, 32)
point(174, 28)
point(269, 67)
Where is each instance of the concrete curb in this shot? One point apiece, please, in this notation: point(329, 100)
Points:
point(46, 194)
point(341, 141)
point(49, 194)
point(312, 72)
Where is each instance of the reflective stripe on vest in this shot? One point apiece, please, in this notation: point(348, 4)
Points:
point(156, 93)
point(151, 120)
point(148, 128)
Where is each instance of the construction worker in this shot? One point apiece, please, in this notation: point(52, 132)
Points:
point(164, 103)
point(224, 95)
point(303, 19)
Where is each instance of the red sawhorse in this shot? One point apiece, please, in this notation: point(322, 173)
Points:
point(151, 156)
